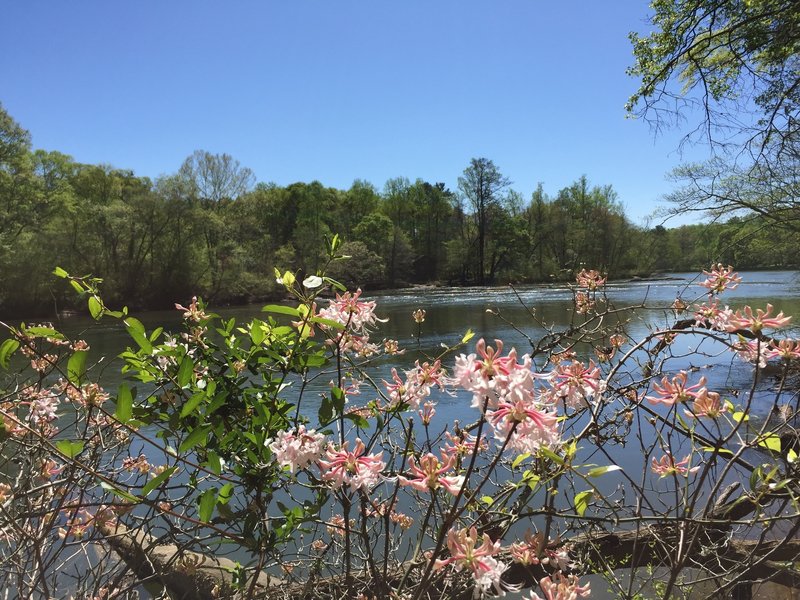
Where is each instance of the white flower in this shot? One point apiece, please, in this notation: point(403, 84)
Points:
point(312, 281)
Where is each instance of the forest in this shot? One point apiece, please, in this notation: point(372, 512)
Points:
point(211, 230)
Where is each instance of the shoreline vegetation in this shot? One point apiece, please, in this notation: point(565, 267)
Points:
point(211, 231)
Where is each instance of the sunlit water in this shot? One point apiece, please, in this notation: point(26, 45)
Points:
point(517, 316)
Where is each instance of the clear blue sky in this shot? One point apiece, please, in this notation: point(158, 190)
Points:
point(339, 90)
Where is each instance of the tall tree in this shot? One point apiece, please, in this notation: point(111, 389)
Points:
point(482, 184)
point(216, 177)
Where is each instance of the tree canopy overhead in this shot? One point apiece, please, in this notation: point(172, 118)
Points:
point(731, 70)
point(736, 59)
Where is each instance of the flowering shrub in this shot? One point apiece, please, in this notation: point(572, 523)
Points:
point(212, 444)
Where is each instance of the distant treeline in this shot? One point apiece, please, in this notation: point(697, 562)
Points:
point(211, 230)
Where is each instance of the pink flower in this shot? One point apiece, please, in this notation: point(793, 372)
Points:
point(576, 384)
point(706, 404)
point(591, 279)
point(666, 465)
point(533, 426)
point(493, 376)
point(785, 350)
point(427, 412)
point(43, 405)
point(720, 279)
point(486, 570)
point(754, 351)
point(713, 316)
point(463, 444)
point(297, 450)
point(584, 304)
point(761, 320)
point(355, 468)
point(429, 475)
point(355, 314)
point(561, 587)
point(194, 312)
point(534, 551)
point(676, 391)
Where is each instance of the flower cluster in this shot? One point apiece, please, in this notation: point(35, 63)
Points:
point(591, 279)
point(561, 587)
point(416, 386)
point(297, 449)
point(720, 278)
point(675, 391)
point(465, 553)
point(666, 465)
point(504, 389)
point(356, 469)
point(430, 475)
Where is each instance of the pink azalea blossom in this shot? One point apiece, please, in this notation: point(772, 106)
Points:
point(43, 405)
point(429, 474)
point(785, 350)
point(299, 449)
point(463, 444)
point(761, 320)
point(711, 315)
point(706, 404)
point(356, 468)
point(720, 278)
point(666, 465)
point(591, 279)
point(494, 376)
point(675, 391)
point(531, 426)
point(754, 351)
point(561, 587)
point(427, 412)
point(355, 314)
point(576, 384)
point(486, 570)
point(533, 551)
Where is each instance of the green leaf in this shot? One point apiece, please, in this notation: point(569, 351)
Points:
point(185, 371)
point(70, 449)
point(723, 451)
point(740, 416)
point(487, 500)
point(59, 272)
point(207, 502)
point(327, 322)
point(325, 413)
point(118, 492)
point(158, 480)
point(582, 501)
point(281, 310)
point(198, 435)
point(597, 472)
point(95, 308)
point(76, 367)
point(257, 333)
point(337, 395)
point(771, 442)
point(124, 411)
point(468, 336)
point(43, 332)
point(7, 348)
point(547, 453)
point(136, 331)
point(791, 456)
point(225, 494)
point(192, 403)
point(519, 459)
point(214, 463)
